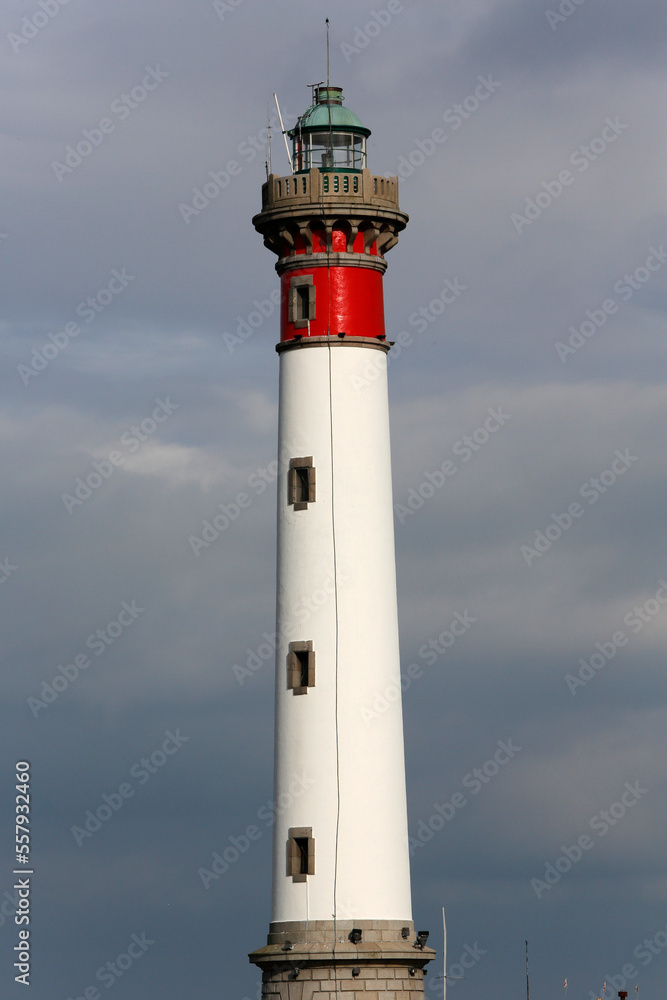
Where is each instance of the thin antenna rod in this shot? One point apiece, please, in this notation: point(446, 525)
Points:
point(280, 119)
point(444, 956)
point(331, 151)
point(527, 983)
point(268, 142)
point(327, 53)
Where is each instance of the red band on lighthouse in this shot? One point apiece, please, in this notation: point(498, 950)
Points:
point(345, 299)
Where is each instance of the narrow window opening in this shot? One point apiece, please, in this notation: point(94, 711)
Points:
point(302, 860)
point(302, 485)
point(300, 853)
point(301, 666)
point(301, 482)
point(301, 301)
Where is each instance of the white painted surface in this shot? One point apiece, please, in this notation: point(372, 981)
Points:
point(373, 878)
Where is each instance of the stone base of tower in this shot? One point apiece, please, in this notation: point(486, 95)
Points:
point(312, 961)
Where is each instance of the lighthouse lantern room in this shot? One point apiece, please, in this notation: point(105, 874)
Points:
point(327, 135)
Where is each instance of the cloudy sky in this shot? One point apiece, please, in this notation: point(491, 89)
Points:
point(531, 144)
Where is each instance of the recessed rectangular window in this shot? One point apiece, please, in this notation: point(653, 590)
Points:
point(301, 301)
point(301, 666)
point(302, 859)
point(301, 486)
point(301, 482)
point(300, 853)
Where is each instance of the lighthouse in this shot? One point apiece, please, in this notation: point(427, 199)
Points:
point(341, 921)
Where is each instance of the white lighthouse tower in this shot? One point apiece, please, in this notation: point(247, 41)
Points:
point(341, 915)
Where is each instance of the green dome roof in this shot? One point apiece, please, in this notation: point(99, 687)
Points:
point(329, 113)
